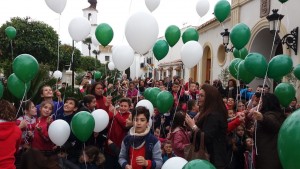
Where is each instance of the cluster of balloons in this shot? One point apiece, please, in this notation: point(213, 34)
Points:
point(162, 100)
point(181, 163)
point(25, 68)
point(256, 65)
point(59, 130)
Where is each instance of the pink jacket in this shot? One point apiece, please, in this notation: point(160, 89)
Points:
point(179, 138)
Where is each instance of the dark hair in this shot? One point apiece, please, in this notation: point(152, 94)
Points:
point(213, 103)
point(179, 119)
point(33, 159)
point(73, 99)
point(7, 111)
point(94, 154)
point(88, 99)
point(127, 100)
point(191, 104)
point(94, 86)
point(141, 110)
point(175, 83)
point(26, 105)
point(270, 103)
point(233, 81)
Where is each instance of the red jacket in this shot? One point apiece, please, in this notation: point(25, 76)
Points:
point(41, 140)
point(233, 124)
point(179, 139)
point(10, 138)
point(100, 103)
point(31, 122)
point(118, 128)
point(134, 153)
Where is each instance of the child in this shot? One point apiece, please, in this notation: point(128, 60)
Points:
point(140, 149)
point(88, 103)
point(27, 123)
point(193, 108)
point(10, 135)
point(91, 158)
point(157, 135)
point(41, 140)
point(167, 151)
point(249, 154)
point(179, 136)
point(119, 127)
point(47, 95)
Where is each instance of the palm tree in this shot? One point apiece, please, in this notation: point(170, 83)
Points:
point(88, 41)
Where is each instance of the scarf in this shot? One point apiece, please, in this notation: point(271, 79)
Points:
point(137, 140)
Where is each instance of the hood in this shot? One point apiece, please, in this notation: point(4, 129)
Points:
point(173, 132)
point(6, 128)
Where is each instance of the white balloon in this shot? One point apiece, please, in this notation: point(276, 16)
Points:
point(111, 66)
point(95, 41)
point(147, 104)
point(141, 32)
point(202, 7)
point(191, 53)
point(57, 74)
point(79, 28)
point(174, 163)
point(101, 119)
point(59, 132)
point(152, 4)
point(57, 6)
point(123, 57)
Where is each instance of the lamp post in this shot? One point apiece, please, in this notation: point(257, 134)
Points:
point(225, 36)
point(291, 39)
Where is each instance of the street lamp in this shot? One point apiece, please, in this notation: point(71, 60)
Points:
point(225, 36)
point(291, 39)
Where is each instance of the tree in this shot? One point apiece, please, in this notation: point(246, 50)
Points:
point(87, 41)
point(88, 63)
point(33, 37)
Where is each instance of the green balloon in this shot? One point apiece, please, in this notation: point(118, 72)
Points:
point(240, 35)
point(160, 49)
point(147, 93)
point(164, 101)
point(25, 67)
point(172, 35)
point(285, 93)
point(279, 66)
point(288, 141)
point(283, 1)
point(1, 90)
point(17, 87)
point(97, 75)
point(10, 32)
point(82, 125)
point(198, 164)
point(297, 71)
point(104, 34)
point(256, 64)
point(153, 95)
point(242, 53)
point(190, 34)
point(222, 10)
point(244, 75)
point(233, 67)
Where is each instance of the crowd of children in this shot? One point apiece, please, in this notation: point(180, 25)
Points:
point(133, 139)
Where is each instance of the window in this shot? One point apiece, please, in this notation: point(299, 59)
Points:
point(149, 60)
point(107, 58)
point(142, 65)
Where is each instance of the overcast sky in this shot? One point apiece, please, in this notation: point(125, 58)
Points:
point(113, 12)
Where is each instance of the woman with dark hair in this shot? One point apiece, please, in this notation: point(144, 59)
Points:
point(213, 122)
point(269, 119)
point(179, 136)
point(102, 102)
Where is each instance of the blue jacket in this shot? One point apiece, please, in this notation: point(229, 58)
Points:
point(153, 151)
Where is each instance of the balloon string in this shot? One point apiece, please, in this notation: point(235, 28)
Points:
point(12, 54)
point(114, 81)
point(84, 155)
point(176, 105)
point(58, 42)
point(22, 100)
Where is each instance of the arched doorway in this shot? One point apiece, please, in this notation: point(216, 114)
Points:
point(263, 44)
point(206, 65)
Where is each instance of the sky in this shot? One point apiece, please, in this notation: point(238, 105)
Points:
point(113, 12)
